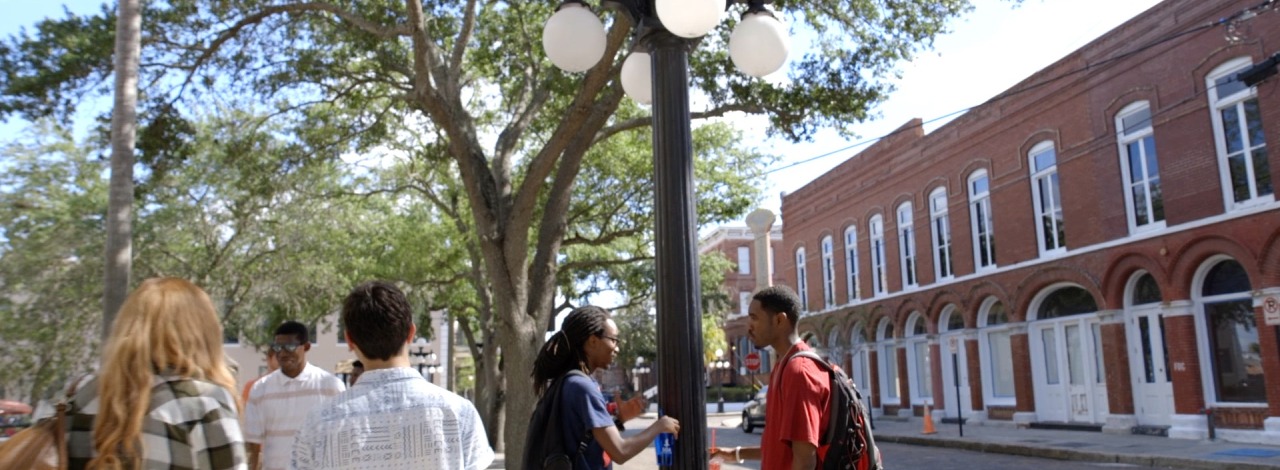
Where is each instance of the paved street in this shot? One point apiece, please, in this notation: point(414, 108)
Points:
point(896, 456)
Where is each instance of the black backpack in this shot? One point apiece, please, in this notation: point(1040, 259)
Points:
point(848, 433)
point(544, 448)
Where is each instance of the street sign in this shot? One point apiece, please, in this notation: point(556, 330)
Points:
point(752, 361)
point(953, 343)
point(1271, 310)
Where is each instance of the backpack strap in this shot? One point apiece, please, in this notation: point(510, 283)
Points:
point(555, 407)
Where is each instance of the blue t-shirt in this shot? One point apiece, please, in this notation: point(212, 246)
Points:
point(583, 408)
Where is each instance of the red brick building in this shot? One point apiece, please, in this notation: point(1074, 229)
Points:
point(1098, 246)
point(738, 245)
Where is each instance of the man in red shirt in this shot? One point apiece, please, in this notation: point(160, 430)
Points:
point(800, 390)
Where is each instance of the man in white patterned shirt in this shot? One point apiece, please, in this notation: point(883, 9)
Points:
point(280, 402)
point(392, 418)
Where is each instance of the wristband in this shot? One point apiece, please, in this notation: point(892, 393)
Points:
point(737, 453)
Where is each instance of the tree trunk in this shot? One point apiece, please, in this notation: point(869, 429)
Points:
point(124, 121)
point(520, 343)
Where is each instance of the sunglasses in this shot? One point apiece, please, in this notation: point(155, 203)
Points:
point(291, 347)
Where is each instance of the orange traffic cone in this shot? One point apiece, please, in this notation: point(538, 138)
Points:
point(928, 421)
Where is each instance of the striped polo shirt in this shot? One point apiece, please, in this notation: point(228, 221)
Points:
point(278, 405)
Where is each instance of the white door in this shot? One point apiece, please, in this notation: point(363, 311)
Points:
point(951, 362)
point(860, 376)
point(1070, 382)
point(1050, 386)
point(1148, 361)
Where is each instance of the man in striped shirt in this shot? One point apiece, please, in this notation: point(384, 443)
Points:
point(279, 403)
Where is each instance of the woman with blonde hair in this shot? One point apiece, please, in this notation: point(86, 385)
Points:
point(164, 397)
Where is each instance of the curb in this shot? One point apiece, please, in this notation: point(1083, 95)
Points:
point(1073, 454)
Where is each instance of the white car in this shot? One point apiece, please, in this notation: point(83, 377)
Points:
point(753, 412)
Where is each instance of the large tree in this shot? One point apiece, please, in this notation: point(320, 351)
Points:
point(515, 130)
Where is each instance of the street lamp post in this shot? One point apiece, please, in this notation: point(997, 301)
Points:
point(719, 366)
point(666, 30)
point(427, 366)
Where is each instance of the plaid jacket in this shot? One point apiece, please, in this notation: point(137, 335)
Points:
point(190, 424)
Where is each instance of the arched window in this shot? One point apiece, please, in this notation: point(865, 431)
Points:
point(907, 245)
point(984, 242)
point(921, 363)
point(954, 321)
point(802, 280)
point(877, 256)
point(1046, 193)
point(851, 263)
point(888, 359)
point(1143, 198)
point(997, 352)
point(1234, 351)
point(1066, 301)
point(1239, 137)
point(828, 272)
point(1145, 290)
point(940, 222)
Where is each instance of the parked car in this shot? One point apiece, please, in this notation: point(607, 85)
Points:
point(753, 412)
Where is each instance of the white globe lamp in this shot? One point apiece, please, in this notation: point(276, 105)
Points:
point(637, 78)
point(759, 45)
point(690, 18)
point(574, 38)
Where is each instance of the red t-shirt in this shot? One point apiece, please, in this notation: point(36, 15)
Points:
point(799, 397)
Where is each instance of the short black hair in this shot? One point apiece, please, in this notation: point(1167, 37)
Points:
point(378, 318)
point(294, 328)
point(357, 364)
point(780, 299)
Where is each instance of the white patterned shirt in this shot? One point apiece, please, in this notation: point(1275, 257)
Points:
point(278, 405)
point(393, 419)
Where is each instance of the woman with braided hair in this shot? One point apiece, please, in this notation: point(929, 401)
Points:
point(587, 341)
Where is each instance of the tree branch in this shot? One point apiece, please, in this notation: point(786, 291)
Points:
point(648, 121)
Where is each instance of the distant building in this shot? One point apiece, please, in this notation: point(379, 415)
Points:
point(1098, 246)
point(737, 244)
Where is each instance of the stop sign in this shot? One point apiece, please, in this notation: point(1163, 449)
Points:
point(752, 361)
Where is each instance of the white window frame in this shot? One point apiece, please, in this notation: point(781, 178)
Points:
point(907, 255)
point(1051, 177)
point(744, 260)
point(802, 280)
point(1125, 137)
point(980, 217)
point(940, 224)
point(888, 363)
point(852, 285)
point(878, 277)
point(918, 344)
point(828, 272)
point(986, 354)
point(1216, 105)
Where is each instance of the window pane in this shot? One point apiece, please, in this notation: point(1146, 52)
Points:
point(1239, 178)
point(1157, 200)
point(1140, 215)
point(1137, 121)
point(1146, 291)
point(1236, 352)
point(1099, 366)
point(996, 315)
point(1001, 364)
point(1066, 301)
point(1261, 171)
point(1226, 277)
point(1045, 159)
point(1148, 358)
point(1153, 166)
point(1227, 85)
point(891, 372)
point(1075, 363)
point(1231, 130)
point(1055, 189)
point(955, 321)
point(924, 373)
point(1050, 341)
point(980, 185)
point(1134, 149)
point(1253, 119)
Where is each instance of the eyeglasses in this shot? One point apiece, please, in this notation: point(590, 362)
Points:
point(615, 340)
point(291, 347)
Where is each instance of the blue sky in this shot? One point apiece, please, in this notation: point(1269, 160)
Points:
point(987, 51)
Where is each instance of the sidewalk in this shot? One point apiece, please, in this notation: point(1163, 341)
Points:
point(1146, 451)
